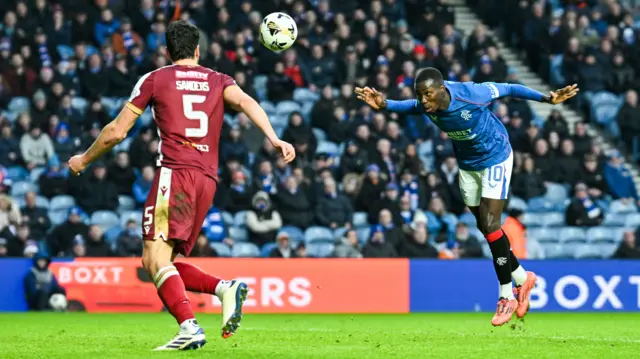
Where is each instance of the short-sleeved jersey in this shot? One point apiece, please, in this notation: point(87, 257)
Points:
point(188, 107)
point(480, 139)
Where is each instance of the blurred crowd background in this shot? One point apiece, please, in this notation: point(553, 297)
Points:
point(365, 184)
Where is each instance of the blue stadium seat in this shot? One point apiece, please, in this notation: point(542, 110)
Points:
point(306, 109)
point(360, 219)
point(517, 203)
point(604, 234)
point(79, 104)
point(35, 174)
point(556, 193)
point(268, 107)
point(632, 220)
point(111, 235)
point(127, 215)
point(542, 233)
point(19, 189)
point(43, 248)
point(58, 216)
point(552, 219)
point(540, 205)
point(532, 220)
point(363, 234)
point(222, 249)
point(320, 135)
point(65, 52)
point(245, 250)
point(614, 220)
point(305, 95)
point(285, 108)
point(240, 219)
point(267, 248)
point(606, 249)
point(42, 202)
point(105, 219)
point(62, 202)
point(317, 233)
point(295, 233)
point(534, 249)
point(238, 234)
point(126, 203)
point(339, 233)
point(260, 81)
point(474, 231)
point(552, 250)
point(571, 233)
point(618, 206)
point(227, 218)
point(569, 250)
point(320, 250)
point(19, 104)
point(17, 173)
point(327, 147)
point(588, 252)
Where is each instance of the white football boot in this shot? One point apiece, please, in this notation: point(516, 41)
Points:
point(190, 337)
point(232, 299)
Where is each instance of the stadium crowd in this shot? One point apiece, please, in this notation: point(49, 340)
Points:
point(364, 184)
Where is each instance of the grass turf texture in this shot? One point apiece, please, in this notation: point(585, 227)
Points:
point(115, 336)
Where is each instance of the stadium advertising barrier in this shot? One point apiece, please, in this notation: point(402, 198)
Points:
point(342, 285)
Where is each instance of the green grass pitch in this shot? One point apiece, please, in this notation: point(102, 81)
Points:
point(115, 336)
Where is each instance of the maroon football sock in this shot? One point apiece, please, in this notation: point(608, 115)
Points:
point(195, 279)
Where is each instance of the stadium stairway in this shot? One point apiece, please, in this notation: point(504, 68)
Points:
point(466, 21)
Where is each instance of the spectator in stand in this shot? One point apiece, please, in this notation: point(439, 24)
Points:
point(568, 163)
point(252, 136)
point(622, 75)
point(215, 228)
point(121, 173)
point(20, 78)
point(333, 209)
point(18, 239)
point(35, 217)
point(283, 248)
point(390, 201)
point(125, 38)
point(298, 130)
point(592, 75)
point(583, 210)
point(263, 221)
point(594, 179)
point(353, 160)
point(64, 146)
point(106, 26)
point(202, 248)
point(121, 78)
point(265, 179)
point(581, 140)
point(628, 119)
point(620, 181)
point(104, 199)
point(60, 240)
point(347, 246)
point(466, 245)
point(371, 190)
point(9, 211)
point(294, 205)
point(142, 186)
point(3, 248)
point(69, 115)
point(417, 246)
point(235, 147)
point(95, 243)
point(528, 183)
point(556, 123)
point(392, 233)
point(36, 148)
point(78, 249)
point(280, 86)
point(129, 243)
point(94, 78)
point(377, 245)
point(628, 248)
point(9, 147)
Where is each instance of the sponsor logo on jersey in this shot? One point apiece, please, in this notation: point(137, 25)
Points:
point(466, 115)
point(163, 190)
point(464, 135)
point(192, 75)
point(192, 85)
point(197, 146)
point(494, 90)
point(433, 118)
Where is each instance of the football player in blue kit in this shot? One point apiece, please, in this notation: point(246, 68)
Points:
point(485, 159)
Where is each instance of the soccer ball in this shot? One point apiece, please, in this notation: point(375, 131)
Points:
point(58, 302)
point(278, 31)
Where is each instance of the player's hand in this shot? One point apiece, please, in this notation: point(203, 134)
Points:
point(286, 150)
point(77, 164)
point(371, 97)
point(562, 95)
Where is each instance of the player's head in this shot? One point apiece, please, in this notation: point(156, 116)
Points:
point(429, 88)
point(182, 41)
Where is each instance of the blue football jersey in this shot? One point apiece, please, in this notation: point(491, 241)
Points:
point(480, 140)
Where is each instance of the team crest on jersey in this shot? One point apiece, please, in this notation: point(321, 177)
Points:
point(433, 118)
point(163, 190)
point(466, 115)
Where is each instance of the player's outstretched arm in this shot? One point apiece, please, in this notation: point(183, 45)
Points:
point(112, 134)
point(377, 101)
point(520, 91)
point(240, 101)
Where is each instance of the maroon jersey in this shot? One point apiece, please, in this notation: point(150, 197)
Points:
point(188, 108)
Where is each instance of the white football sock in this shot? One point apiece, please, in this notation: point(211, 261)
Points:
point(189, 326)
point(221, 287)
point(519, 275)
point(506, 291)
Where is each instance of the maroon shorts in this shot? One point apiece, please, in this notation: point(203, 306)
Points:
point(176, 207)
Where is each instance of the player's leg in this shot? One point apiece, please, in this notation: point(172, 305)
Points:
point(157, 257)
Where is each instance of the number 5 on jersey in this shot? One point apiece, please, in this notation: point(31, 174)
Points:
point(187, 106)
point(148, 219)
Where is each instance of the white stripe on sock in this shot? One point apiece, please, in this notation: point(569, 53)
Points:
point(163, 274)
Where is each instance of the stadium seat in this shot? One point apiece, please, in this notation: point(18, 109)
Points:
point(632, 220)
point(240, 219)
point(285, 108)
point(306, 109)
point(35, 174)
point(260, 81)
point(105, 219)
point(295, 233)
point(126, 203)
point(80, 104)
point(603, 234)
point(320, 135)
point(267, 248)
point(42, 202)
point(517, 203)
point(468, 219)
point(238, 234)
point(540, 205)
point(19, 189)
point(363, 234)
point(245, 250)
point(268, 107)
point(552, 250)
point(339, 232)
point(111, 235)
point(43, 248)
point(327, 147)
point(532, 220)
point(360, 219)
point(534, 249)
point(65, 52)
point(606, 249)
point(17, 173)
point(552, 219)
point(128, 215)
point(58, 216)
point(588, 252)
point(222, 249)
point(571, 233)
point(320, 250)
point(227, 218)
point(618, 206)
point(305, 95)
point(542, 233)
point(614, 220)
point(62, 202)
point(19, 104)
point(317, 233)
point(556, 193)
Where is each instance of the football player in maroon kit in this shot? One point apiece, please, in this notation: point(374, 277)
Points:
point(187, 102)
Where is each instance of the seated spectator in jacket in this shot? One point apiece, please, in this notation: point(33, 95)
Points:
point(528, 183)
point(568, 163)
point(466, 245)
point(294, 205)
point(95, 243)
point(215, 228)
point(619, 180)
point(18, 239)
point(121, 173)
point(36, 148)
point(129, 243)
point(240, 193)
point(203, 248)
point(628, 248)
point(583, 210)
point(280, 86)
point(40, 284)
point(594, 179)
point(235, 147)
point(106, 198)
point(53, 182)
point(35, 217)
point(628, 119)
point(417, 245)
point(263, 221)
point(377, 246)
point(347, 246)
point(284, 249)
point(142, 186)
point(392, 233)
point(353, 160)
point(78, 249)
point(9, 211)
point(60, 240)
point(516, 232)
point(64, 145)
point(265, 179)
point(333, 209)
point(9, 147)
point(390, 200)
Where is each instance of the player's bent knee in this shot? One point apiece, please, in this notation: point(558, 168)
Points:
point(156, 254)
